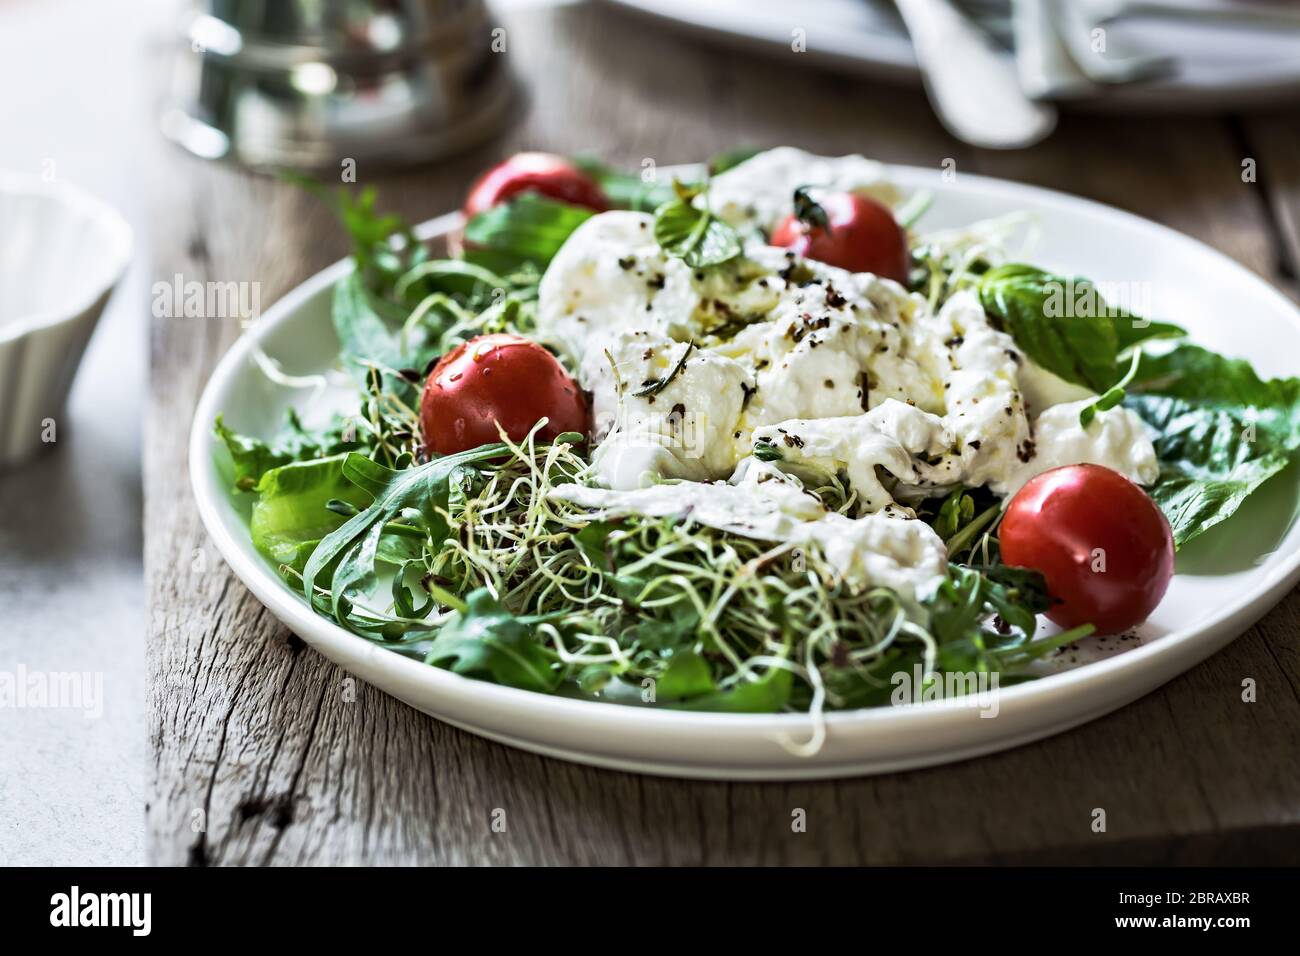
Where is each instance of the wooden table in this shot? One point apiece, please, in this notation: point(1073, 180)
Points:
point(259, 757)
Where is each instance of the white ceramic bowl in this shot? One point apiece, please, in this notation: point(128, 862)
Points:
point(61, 254)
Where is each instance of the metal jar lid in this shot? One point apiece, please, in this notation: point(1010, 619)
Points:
point(314, 84)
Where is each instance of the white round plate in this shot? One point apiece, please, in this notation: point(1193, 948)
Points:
point(1218, 67)
point(1225, 581)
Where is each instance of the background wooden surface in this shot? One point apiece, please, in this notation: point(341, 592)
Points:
point(259, 755)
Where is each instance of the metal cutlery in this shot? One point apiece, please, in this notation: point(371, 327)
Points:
point(974, 88)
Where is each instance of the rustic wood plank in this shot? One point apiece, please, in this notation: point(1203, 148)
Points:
point(254, 730)
point(1272, 141)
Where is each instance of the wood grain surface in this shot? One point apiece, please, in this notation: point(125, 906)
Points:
point(264, 752)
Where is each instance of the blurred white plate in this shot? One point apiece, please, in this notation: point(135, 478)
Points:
point(1220, 67)
point(1225, 580)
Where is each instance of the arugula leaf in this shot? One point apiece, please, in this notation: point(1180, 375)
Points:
point(384, 246)
point(1017, 595)
point(955, 617)
point(687, 675)
point(1077, 337)
point(367, 326)
point(398, 309)
point(766, 695)
point(678, 627)
point(292, 512)
point(486, 640)
point(352, 549)
point(694, 235)
point(253, 457)
point(529, 229)
point(1222, 432)
point(372, 346)
point(453, 277)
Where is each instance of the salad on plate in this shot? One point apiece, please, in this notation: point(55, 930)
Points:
point(745, 439)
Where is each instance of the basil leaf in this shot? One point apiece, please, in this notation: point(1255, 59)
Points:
point(529, 229)
point(1063, 324)
point(1204, 377)
point(1222, 432)
point(486, 640)
point(731, 158)
point(694, 235)
point(1207, 465)
point(626, 190)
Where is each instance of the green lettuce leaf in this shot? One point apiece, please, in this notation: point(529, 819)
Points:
point(253, 457)
point(291, 515)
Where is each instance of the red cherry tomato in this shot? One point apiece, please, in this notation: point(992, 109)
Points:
point(863, 237)
point(1099, 540)
point(552, 176)
point(497, 378)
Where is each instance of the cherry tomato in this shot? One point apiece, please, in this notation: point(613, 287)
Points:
point(497, 378)
point(552, 176)
point(1102, 544)
point(863, 237)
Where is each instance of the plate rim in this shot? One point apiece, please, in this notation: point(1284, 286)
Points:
point(1197, 642)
